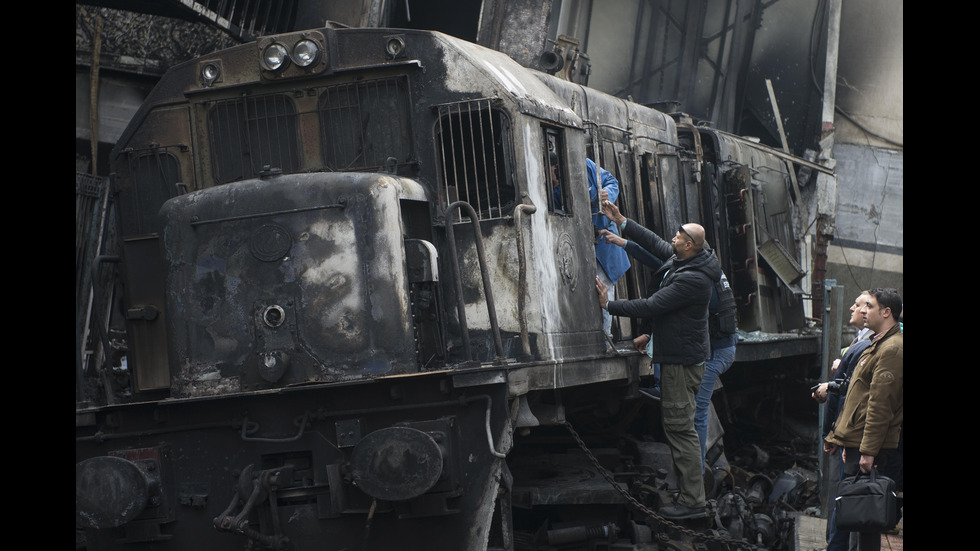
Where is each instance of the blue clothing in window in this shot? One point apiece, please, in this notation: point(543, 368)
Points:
point(612, 258)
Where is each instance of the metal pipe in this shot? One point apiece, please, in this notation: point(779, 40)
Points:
point(106, 348)
point(487, 291)
point(493, 449)
point(522, 278)
point(340, 205)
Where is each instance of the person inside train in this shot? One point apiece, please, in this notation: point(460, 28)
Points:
point(557, 204)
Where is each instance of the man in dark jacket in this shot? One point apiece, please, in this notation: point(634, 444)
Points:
point(869, 425)
point(837, 540)
point(679, 312)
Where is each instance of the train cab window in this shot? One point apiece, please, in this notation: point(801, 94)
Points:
point(472, 158)
point(154, 176)
point(251, 133)
point(555, 175)
point(364, 124)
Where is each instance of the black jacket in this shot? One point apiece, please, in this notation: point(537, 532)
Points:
point(679, 306)
point(844, 370)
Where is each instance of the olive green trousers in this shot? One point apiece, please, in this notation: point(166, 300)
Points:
point(679, 385)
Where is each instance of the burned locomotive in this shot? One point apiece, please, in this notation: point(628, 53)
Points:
point(357, 318)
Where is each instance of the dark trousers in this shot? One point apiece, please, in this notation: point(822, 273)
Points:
point(678, 386)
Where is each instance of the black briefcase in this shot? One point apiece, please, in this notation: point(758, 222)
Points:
point(866, 503)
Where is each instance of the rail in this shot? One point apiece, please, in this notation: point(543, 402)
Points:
point(519, 212)
point(487, 291)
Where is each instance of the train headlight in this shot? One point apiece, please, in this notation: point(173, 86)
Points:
point(395, 47)
point(305, 53)
point(293, 55)
point(274, 57)
point(210, 73)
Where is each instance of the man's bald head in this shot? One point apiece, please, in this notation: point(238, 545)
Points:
point(688, 241)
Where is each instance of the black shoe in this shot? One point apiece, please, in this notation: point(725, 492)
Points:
point(678, 511)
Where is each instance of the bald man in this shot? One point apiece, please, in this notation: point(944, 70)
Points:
point(678, 310)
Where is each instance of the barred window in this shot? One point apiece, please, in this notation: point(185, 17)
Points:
point(559, 201)
point(250, 133)
point(472, 157)
point(154, 175)
point(364, 124)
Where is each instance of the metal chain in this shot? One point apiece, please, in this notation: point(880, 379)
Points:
point(642, 508)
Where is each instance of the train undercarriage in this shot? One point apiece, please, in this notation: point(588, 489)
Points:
point(454, 461)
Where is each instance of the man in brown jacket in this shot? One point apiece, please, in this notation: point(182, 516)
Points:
point(870, 421)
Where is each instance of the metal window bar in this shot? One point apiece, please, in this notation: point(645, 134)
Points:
point(470, 161)
point(779, 228)
point(249, 133)
point(552, 207)
point(483, 153)
point(226, 137)
point(88, 196)
point(335, 112)
point(223, 127)
point(155, 172)
point(94, 234)
point(442, 153)
point(341, 130)
point(272, 118)
point(553, 144)
point(472, 147)
point(364, 123)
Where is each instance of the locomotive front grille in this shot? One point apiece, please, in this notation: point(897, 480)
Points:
point(364, 124)
point(251, 133)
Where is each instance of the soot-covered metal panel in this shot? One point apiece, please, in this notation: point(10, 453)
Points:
point(277, 280)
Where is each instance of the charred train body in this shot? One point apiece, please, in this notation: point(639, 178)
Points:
point(361, 316)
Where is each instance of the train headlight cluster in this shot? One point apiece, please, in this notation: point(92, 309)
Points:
point(274, 57)
point(305, 53)
point(292, 55)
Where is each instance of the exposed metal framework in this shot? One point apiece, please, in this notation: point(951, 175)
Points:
point(93, 234)
point(243, 19)
point(682, 45)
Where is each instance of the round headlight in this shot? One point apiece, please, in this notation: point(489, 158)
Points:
point(274, 56)
point(210, 73)
point(395, 46)
point(305, 53)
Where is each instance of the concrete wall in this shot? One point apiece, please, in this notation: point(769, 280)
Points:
point(867, 250)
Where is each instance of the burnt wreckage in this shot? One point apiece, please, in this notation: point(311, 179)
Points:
point(357, 319)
